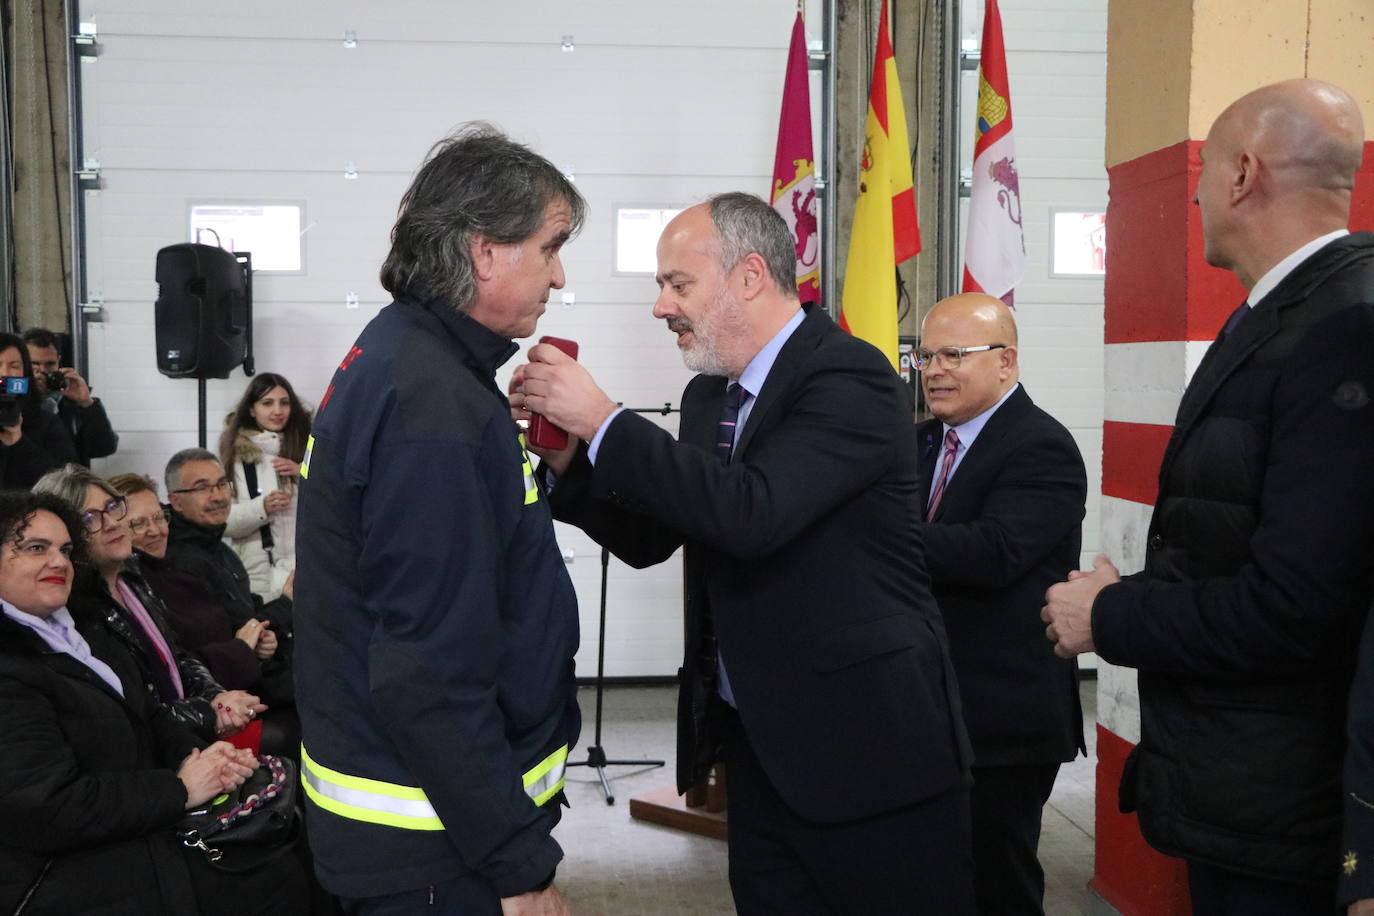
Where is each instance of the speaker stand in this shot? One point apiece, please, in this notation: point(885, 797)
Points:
point(200, 385)
point(596, 755)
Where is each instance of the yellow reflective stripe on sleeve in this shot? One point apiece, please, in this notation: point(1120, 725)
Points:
point(545, 780)
point(370, 800)
point(305, 462)
point(526, 468)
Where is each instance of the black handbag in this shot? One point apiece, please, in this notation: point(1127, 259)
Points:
point(243, 829)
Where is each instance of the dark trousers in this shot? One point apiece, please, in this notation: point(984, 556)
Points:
point(275, 888)
point(468, 895)
point(1222, 892)
point(1007, 804)
point(910, 861)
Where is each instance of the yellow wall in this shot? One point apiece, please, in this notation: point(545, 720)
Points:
point(1342, 50)
point(1149, 48)
point(1242, 46)
point(1174, 65)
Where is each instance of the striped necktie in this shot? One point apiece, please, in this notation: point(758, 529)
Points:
point(946, 465)
point(729, 419)
point(711, 659)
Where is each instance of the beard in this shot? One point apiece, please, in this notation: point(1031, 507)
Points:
point(720, 329)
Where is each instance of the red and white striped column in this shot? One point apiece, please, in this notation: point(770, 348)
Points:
point(1173, 65)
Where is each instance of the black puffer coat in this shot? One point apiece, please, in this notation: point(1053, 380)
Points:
point(195, 710)
point(1257, 580)
point(89, 797)
point(90, 800)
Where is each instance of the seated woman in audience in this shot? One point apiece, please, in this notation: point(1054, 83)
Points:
point(240, 658)
point(261, 448)
point(32, 441)
point(94, 775)
point(114, 588)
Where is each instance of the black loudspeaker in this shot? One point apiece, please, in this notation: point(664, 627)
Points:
point(201, 313)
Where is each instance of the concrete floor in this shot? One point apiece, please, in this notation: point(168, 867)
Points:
point(617, 866)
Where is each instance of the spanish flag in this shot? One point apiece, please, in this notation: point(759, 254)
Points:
point(885, 232)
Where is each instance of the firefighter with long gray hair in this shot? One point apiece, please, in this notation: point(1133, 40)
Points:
point(435, 622)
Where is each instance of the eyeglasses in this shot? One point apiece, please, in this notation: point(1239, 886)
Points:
point(94, 519)
point(136, 525)
point(950, 357)
point(200, 489)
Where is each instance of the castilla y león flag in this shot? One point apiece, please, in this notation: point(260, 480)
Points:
point(885, 232)
point(995, 249)
point(794, 169)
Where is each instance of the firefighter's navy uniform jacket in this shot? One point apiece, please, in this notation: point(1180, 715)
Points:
point(435, 622)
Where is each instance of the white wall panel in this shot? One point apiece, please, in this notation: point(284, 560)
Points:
point(418, 23)
point(261, 101)
point(1056, 64)
point(660, 103)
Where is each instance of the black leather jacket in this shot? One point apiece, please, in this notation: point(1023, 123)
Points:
point(195, 710)
point(199, 550)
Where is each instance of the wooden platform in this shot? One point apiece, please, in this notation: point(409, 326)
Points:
point(664, 806)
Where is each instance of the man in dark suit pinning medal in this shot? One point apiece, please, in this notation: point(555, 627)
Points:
point(816, 665)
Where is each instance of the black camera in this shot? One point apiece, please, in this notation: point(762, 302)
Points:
point(55, 380)
point(12, 388)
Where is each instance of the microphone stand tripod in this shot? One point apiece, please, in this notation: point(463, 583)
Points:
point(596, 754)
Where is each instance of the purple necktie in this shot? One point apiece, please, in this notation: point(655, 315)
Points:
point(735, 396)
point(729, 418)
point(946, 465)
point(1236, 318)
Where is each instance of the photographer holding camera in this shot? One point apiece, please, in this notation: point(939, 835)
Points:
point(69, 398)
point(32, 442)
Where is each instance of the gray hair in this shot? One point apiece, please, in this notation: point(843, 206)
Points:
point(70, 483)
point(477, 182)
point(746, 225)
point(172, 476)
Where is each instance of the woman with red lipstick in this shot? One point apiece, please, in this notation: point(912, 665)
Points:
point(113, 587)
point(262, 446)
point(94, 775)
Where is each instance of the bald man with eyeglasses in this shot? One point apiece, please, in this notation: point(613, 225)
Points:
point(1002, 521)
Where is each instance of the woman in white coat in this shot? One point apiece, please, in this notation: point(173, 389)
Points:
point(262, 446)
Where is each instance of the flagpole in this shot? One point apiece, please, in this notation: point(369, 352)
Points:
point(947, 277)
point(829, 144)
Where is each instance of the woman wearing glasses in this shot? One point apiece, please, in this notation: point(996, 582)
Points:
point(112, 587)
point(94, 775)
point(236, 656)
point(261, 448)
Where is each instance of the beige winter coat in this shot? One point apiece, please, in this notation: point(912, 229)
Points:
point(247, 515)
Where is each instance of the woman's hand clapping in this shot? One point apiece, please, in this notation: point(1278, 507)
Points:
point(219, 768)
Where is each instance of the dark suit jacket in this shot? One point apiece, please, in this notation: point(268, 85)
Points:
point(806, 552)
point(1008, 527)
